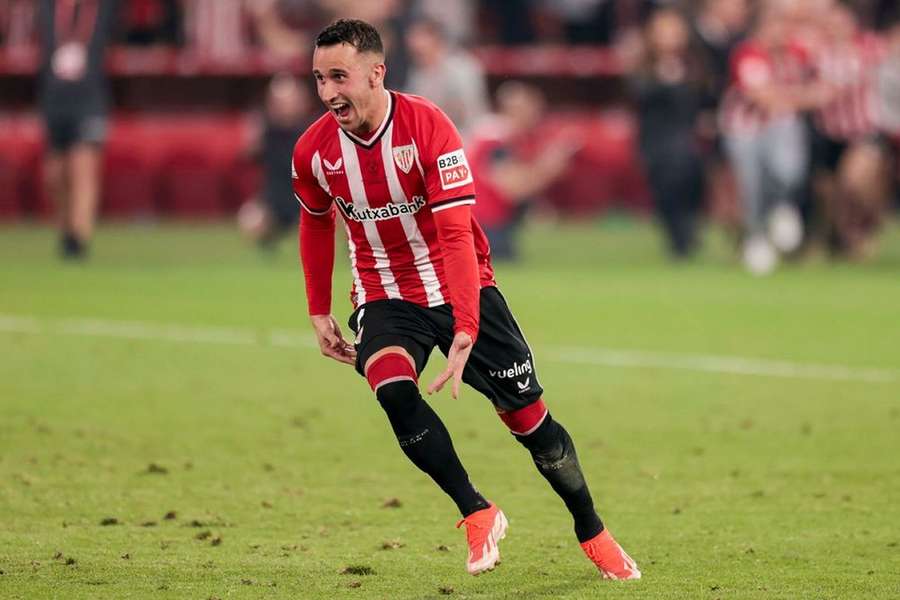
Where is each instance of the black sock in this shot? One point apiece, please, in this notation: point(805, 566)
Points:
point(425, 440)
point(554, 455)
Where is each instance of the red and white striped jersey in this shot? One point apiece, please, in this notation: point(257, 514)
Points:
point(387, 189)
point(753, 65)
point(851, 70)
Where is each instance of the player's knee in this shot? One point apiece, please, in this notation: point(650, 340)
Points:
point(393, 379)
point(399, 398)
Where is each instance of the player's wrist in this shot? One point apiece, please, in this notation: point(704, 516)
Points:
point(472, 332)
point(319, 310)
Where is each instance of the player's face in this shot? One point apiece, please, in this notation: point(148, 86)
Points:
point(349, 84)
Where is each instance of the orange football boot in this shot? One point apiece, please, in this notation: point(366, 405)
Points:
point(484, 530)
point(607, 554)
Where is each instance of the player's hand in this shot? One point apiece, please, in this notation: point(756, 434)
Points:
point(456, 362)
point(331, 342)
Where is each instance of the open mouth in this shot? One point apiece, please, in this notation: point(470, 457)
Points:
point(341, 111)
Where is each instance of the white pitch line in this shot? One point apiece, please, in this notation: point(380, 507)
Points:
point(144, 330)
point(604, 357)
point(734, 365)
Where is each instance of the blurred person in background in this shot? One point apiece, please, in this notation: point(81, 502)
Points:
point(850, 156)
point(887, 94)
point(216, 29)
point(17, 18)
point(282, 26)
point(511, 167)
point(74, 100)
point(765, 134)
point(717, 27)
point(579, 21)
point(392, 18)
point(445, 74)
point(151, 22)
point(669, 90)
point(508, 22)
point(458, 19)
point(266, 218)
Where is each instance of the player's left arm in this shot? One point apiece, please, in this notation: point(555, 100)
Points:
point(451, 192)
point(454, 228)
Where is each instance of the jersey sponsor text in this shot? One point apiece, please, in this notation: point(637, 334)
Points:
point(454, 169)
point(390, 211)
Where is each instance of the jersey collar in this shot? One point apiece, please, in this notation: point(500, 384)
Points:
point(378, 132)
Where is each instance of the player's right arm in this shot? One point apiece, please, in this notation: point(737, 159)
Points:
point(317, 255)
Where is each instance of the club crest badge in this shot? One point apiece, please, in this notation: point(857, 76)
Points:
point(404, 156)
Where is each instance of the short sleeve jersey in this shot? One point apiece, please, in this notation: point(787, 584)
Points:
point(387, 189)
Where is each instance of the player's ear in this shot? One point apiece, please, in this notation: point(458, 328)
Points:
point(376, 75)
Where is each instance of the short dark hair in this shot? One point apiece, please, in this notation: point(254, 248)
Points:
point(358, 34)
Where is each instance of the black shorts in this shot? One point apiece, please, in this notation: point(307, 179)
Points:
point(500, 366)
point(65, 131)
point(828, 152)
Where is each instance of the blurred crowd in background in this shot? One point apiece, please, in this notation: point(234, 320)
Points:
point(778, 120)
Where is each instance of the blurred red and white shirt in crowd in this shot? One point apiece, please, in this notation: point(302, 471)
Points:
point(850, 70)
point(754, 66)
point(216, 29)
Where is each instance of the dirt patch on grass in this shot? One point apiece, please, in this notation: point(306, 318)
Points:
point(357, 570)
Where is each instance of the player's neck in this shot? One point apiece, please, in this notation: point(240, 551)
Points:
point(377, 116)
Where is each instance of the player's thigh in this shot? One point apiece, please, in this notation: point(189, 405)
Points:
point(384, 324)
point(501, 365)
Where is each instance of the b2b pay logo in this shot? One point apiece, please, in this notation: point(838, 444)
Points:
point(453, 169)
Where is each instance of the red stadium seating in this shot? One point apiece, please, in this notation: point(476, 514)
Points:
point(179, 167)
point(605, 171)
point(191, 186)
point(22, 189)
point(193, 166)
point(130, 185)
point(10, 198)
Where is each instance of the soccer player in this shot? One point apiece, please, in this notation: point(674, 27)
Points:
point(393, 165)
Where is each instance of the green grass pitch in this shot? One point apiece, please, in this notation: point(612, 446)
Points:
point(741, 435)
